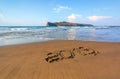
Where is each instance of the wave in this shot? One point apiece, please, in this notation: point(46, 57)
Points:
point(18, 29)
point(61, 32)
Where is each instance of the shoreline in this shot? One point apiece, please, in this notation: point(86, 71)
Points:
point(94, 60)
point(53, 41)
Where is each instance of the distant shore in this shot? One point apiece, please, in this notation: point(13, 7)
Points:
point(60, 59)
point(64, 23)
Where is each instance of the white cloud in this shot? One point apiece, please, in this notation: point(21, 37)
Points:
point(5, 21)
point(21, 22)
point(2, 17)
point(97, 18)
point(61, 8)
point(73, 17)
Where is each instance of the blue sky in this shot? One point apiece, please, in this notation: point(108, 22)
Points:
point(38, 12)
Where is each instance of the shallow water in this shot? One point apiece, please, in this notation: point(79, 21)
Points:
point(27, 34)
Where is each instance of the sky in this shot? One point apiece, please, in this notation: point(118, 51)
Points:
point(38, 12)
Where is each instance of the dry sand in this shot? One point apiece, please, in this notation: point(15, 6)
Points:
point(27, 61)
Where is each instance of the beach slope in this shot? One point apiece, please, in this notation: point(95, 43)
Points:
point(61, 59)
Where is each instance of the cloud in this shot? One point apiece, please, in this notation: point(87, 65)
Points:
point(97, 18)
point(2, 17)
point(61, 8)
point(73, 17)
point(5, 21)
point(20, 22)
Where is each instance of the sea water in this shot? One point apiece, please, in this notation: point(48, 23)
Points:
point(27, 34)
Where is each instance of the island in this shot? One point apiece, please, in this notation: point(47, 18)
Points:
point(64, 23)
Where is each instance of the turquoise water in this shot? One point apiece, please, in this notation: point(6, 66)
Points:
point(27, 34)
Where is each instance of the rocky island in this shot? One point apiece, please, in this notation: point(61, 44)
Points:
point(66, 24)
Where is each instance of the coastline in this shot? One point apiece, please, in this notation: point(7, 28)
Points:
point(47, 41)
point(27, 61)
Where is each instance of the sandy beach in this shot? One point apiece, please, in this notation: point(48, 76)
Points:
point(61, 59)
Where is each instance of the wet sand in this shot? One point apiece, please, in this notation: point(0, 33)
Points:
point(61, 59)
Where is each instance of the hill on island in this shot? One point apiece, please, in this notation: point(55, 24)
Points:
point(66, 24)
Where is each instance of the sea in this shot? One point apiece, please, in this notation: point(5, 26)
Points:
point(10, 35)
